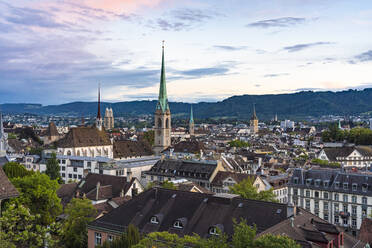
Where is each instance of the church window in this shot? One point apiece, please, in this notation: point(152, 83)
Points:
point(167, 123)
point(159, 122)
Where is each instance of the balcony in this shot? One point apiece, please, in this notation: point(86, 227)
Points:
point(344, 214)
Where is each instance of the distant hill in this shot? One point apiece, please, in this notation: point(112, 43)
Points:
point(295, 105)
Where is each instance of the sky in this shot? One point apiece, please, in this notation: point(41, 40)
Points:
point(58, 51)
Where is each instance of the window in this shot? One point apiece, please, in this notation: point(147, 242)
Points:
point(63, 174)
point(69, 175)
point(316, 205)
point(364, 200)
point(336, 207)
point(345, 209)
point(159, 122)
point(325, 194)
point(337, 185)
point(307, 193)
point(326, 217)
point(355, 187)
point(308, 181)
point(364, 187)
point(154, 220)
point(346, 186)
point(337, 219)
point(354, 223)
point(89, 164)
point(354, 210)
point(336, 197)
point(75, 176)
point(317, 182)
point(325, 205)
point(98, 238)
point(326, 183)
point(177, 224)
point(316, 194)
point(213, 231)
point(63, 161)
point(353, 199)
point(308, 204)
point(75, 169)
point(79, 176)
point(345, 221)
point(63, 168)
point(346, 198)
point(295, 180)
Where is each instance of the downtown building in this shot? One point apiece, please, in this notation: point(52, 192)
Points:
point(338, 197)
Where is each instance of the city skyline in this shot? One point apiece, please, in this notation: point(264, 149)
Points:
point(63, 49)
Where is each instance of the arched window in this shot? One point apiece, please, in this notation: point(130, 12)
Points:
point(68, 153)
point(167, 123)
point(159, 122)
point(213, 231)
point(78, 153)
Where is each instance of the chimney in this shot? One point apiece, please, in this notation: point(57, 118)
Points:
point(122, 193)
point(291, 210)
point(292, 221)
point(129, 176)
point(97, 191)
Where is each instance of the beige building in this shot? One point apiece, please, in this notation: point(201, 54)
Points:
point(109, 119)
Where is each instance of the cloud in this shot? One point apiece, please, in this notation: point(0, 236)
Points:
point(278, 22)
point(364, 57)
point(299, 47)
point(202, 72)
point(182, 19)
point(276, 75)
point(230, 48)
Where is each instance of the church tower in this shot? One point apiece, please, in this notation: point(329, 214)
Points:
point(254, 121)
point(3, 138)
point(99, 118)
point(162, 115)
point(109, 119)
point(191, 123)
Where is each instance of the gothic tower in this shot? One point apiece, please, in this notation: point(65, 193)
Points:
point(162, 114)
point(254, 121)
point(191, 123)
point(99, 118)
point(3, 138)
point(109, 119)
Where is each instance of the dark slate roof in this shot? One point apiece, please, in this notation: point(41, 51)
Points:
point(223, 175)
point(7, 189)
point(66, 192)
point(129, 148)
point(3, 160)
point(116, 185)
point(335, 152)
point(189, 146)
point(198, 213)
point(183, 169)
point(83, 137)
point(332, 177)
point(310, 231)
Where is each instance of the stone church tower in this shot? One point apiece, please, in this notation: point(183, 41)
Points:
point(191, 124)
point(99, 118)
point(3, 138)
point(109, 119)
point(162, 115)
point(254, 121)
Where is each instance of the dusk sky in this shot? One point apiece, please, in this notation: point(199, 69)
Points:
point(54, 52)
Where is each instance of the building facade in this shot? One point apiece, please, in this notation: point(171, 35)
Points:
point(338, 197)
point(109, 119)
point(162, 115)
point(348, 156)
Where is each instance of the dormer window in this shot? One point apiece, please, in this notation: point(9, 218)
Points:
point(364, 187)
point(295, 180)
point(154, 220)
point(337, 185)
point(308, 181)
point(317, 182)
point(213, 231)
point(178, 224)
point(326, 184)
point(355, 186)
point(346, 186)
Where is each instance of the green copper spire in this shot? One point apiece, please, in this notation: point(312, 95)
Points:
point(163, 99)
point(191, 116)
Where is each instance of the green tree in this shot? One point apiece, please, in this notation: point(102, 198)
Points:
point(128, 239)
point(244, 235)
point(20, 228)
point(168, 185)
point(14, 169)
point(238, 143)
point(275, 241)
point(149, 136)
point(246, 190)
point(39, 193)
point(52, 168)
point(74, 231)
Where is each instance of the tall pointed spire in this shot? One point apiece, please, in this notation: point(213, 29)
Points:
point(163, 99)
point(99, 102)
point(191, 116)
point(254, 116)
point(1, 125)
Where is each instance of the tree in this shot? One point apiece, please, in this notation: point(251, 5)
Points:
point(168, 185)
point(275, 241)
point(149, 136)
point(246, 190)
point(243, 235)
point(52, 168)
point(20, 228)
point(14, 169)
point(74, 231)
point(128, 239)
point(39, 193)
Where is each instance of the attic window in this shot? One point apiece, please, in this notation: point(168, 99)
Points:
point(364, 187)
point(317, 182)
point(154, 220)
point(337, 185)
point(213, 231)
point(326, 183)
point(278, 211)
point(178, 224)
point(355, 186)
point(308, 181)
point(346, 185)
point(295, 180)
